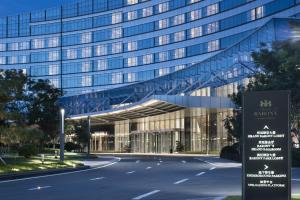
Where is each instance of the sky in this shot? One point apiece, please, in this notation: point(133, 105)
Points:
point(13, 7)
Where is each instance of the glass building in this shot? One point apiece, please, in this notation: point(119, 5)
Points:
point(148, 74)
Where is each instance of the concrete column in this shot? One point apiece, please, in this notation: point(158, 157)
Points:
point(62, 135)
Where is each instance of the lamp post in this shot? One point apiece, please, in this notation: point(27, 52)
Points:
point(62, 135)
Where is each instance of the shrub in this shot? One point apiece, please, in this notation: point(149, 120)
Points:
point(28, 150)
point(231, 153)
point(70, 146)
point(296, 157)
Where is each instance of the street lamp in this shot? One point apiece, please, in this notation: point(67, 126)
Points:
point(62, 135)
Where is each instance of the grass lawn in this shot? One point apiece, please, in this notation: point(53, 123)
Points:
point(21, 164)
point(239, 198)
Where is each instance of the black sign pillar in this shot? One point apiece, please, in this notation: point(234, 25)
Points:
point(266, 146)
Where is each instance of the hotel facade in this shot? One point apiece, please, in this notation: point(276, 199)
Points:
point(148, 75)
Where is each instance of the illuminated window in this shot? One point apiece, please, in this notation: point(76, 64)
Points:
point(86, 66)
point(101, 64)
point(212, 27)
point(179, 36)
point(53, 69)
point(163, 56)
point(196, 32)
point(116, 47)
point(131, 77)
point(132, 61)
point(163, 71)
point(116, 18)
point(101, 50)
point(212, 9)
point(86, 52)
point(86, 81)
point(164, 39)
point(116, 78)
point(179, 19)
point(147, 11)
point(147, 59)
point(163, 23)
point(13, 46)
point(179, 67)
point(163, 7)
point(2, 60)
point(116, 33)
point(12, 59)
point(213, 45)
point(54, 82)
point(53, 55)
point(86, 37)
point(131, 2)
point(2, 47)
point(194, 1)
point(132, 15)
point(132, 46)
point(24, 45)
point(195, 14)
point(23, 59)
point(179, 53)
point(38, 43)
point(71, 53)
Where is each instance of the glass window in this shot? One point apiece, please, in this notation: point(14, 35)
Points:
point(196, 32)
point(24, 45)
point(12, 60)
point(164, 39)
point(101, 65)
point(13, 46)
point(148, 59)
point(132, 15)
point(179, 67)
point(163, 7)
point(131, 77)
point(86, 52)
point(194, 1)
point(163, 56)
point(53, 56)
point(179, 19)
point(179, 36)
point(212, 27)
point(179, 53)
point(116, 18)
point(53, 69)
point(71, 53)
point(131, 2)
point(132, 46)
point(2, 47)
point(38, 43)
point(253, 14)
point(195, 14)
point(259, 12)
point(2, 60)
point(163, 23)
point(86, 66)
point(147, 11)
point(212, 9)
point(116, 47)
point(23, 59)
point(132, 61)
point(116, 78)
point(116, 33)
point(53, 42)
point(86, 81)
point(86, 37)
point(163, 71)
point(101, 50)
point(213, 45)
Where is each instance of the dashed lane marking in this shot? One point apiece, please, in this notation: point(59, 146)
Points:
point(180, 181)
point(146, 195)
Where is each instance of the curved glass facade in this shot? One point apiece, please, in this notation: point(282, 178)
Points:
point(95, 45)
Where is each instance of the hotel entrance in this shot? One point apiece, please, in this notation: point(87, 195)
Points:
point(161, 141)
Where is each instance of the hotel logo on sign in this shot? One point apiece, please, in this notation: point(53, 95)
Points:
point(265, 103)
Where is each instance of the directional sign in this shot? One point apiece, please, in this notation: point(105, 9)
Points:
point(266, 146)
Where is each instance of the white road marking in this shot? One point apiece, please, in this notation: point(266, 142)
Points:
point(98, 178)
point(199, 174)
point(181, 181)
point(39, 188)
point(131, 172)
point(146, 195)
point(161, 161)
point(138, 161)
point(295, 179)
point(207, 162)
point(148, 168)
point(212, 168)
point(158, 163)
point(60, 174)
point(183, 161)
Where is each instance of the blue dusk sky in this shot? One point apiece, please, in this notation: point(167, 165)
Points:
point(13, 7)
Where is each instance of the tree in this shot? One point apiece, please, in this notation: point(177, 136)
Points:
point(280, 68)
point(81, 132)
point(43, 109)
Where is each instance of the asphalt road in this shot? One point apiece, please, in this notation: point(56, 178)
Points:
point(138, 177)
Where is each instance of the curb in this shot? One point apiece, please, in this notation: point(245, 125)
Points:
point(40, 173)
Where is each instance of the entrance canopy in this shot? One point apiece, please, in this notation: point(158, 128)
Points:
point(156, 105)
